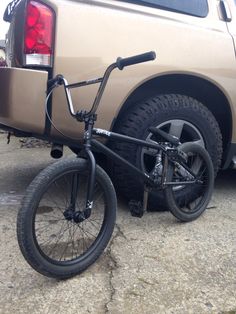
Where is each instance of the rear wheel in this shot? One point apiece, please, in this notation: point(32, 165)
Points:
point(178, 115)
point(51, 235)
point(195, 197)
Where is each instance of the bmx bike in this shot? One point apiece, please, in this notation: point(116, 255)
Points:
point(68, 213)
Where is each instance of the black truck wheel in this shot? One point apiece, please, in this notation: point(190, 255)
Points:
point(178, 115)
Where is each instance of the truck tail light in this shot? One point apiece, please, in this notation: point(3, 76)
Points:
point(39, 30)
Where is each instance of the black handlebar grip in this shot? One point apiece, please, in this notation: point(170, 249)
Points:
point(123, 62)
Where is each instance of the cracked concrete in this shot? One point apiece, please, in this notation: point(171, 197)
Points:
point(112, 266)
point(152, 265)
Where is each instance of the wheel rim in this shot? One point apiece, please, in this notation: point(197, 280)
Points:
point(184, 130)
point(63, 241)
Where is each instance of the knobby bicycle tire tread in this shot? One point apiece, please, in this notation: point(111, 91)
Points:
point(144, 113)
point(174, 208)
point(26, 242)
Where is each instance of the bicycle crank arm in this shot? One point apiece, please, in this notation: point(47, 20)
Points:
point(181, 183)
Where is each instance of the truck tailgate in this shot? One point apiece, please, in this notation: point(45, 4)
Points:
point(22, 98)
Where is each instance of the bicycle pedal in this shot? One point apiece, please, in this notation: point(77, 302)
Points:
point(136, 208)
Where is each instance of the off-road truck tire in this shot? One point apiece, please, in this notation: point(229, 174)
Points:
point(199, 124)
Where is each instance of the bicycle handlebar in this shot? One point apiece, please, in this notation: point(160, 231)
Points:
point(123, 62)
point(120, 64)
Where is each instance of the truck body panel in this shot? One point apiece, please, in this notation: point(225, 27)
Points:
point(89, 35)
point(22, 99)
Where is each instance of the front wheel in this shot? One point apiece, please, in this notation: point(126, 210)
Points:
point(53, 241)
point(197, 195)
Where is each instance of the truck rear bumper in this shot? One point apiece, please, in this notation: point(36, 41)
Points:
point(22, 99)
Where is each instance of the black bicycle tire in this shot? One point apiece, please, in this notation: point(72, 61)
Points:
point(25, 231)
point(169, 194)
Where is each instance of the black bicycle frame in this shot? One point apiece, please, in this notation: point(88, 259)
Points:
point(123, 138)
point(91, 144)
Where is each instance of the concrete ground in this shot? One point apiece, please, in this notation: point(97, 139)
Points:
point(152, 265)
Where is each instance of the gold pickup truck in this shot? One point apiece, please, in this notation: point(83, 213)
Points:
point(189, 91)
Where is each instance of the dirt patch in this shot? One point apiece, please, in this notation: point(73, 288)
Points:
point(31, 142)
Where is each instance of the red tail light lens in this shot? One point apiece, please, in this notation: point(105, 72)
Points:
point(39, 27)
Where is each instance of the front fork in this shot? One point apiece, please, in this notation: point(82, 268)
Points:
point(80, 215)
point(71, 213)
point(89, 123)
point(91, 183)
